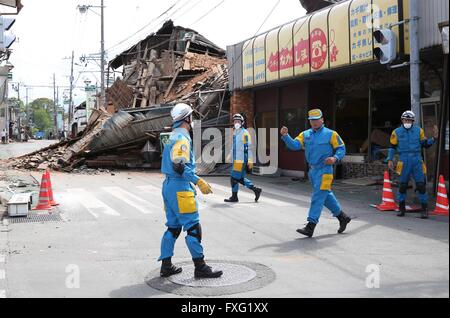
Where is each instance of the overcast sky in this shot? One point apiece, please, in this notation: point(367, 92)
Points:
point(48, 31)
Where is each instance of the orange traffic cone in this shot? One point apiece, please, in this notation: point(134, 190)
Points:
point(388, 198)
point(442, 199)
point(44, 203)
point(50, 191)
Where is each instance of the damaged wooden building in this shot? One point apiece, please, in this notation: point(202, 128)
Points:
point(173, 65)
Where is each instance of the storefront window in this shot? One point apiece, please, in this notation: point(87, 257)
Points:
point(294, 120)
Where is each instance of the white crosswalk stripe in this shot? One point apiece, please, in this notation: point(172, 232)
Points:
point(91, 203)
point(251, 196)
point(136, 202)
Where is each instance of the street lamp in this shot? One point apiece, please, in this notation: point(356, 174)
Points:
point(83, 9)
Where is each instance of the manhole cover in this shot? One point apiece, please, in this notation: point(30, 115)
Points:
point(238, 277)
point(232, 275)
point(36, 217)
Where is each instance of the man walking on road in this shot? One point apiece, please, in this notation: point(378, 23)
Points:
point(178, 164)
point(242, 160)
point(324, 148)
point(408, 140)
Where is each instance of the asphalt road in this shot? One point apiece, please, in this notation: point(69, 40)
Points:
point(114, 223)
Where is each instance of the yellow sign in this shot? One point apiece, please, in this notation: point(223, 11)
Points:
point(361, 38)
point(272, 56)
point(386, 13)
point(286, 51)
point(338, 36)
point(339, 48)
point(318, 39)
point(259, 59)
point(301, 46)
point(247, 64)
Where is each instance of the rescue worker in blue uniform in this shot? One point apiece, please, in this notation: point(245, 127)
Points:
point(179, 194)
point(242, 160)
point(324, 148)
point(408, 140)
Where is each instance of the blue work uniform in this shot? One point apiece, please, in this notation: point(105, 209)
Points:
point(409, 143)
point(242, 156)
point(181, 206)
point(320, 145)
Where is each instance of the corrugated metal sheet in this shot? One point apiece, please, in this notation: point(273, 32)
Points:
point(234, 56)
point(123, 129)
point(432, 13)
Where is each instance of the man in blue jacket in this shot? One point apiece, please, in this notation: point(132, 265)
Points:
point(242, 160)
point(408, 140)
point(324, 148)
point(178, 164)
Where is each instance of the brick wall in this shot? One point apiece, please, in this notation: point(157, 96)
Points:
point(242, 103)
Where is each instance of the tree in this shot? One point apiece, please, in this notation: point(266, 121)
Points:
point(18, 102)
point(43, 120)
point(43, 103)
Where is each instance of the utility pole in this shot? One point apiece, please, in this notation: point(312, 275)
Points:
point(27, 110)
point(102, 52)
point(57, 110)
point(55, 118)
point(415, 59)
point(71, 92)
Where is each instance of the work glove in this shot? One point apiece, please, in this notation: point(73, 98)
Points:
point(249, 167)
point(204, 187)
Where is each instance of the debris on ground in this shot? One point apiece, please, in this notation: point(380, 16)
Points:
point(170, 66)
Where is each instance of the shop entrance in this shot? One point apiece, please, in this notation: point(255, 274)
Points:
point(388, 106)
point(352, 123)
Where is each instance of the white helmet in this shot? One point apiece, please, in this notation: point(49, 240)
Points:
point(180, 112)
point(409, 115)
point(238, 117)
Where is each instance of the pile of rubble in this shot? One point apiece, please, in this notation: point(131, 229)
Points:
point(42, 160)
point(171, 66)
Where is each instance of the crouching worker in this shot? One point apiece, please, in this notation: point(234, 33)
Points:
point(181, 206)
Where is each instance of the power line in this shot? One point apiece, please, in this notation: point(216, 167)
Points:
point(256, 33)
point(209, 12)
point(188, 10)
point(145, 26)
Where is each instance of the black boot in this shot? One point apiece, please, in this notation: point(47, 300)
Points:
point(233, 199)
point(168, 269)
point(308, 230)
point(402, 206)
point(258, 192)
point(204, 271)
point(424, 211)
point(344, 220)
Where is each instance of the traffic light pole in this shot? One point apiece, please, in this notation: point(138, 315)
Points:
point(415, 59)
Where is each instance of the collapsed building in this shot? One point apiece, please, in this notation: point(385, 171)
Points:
point(173, 65)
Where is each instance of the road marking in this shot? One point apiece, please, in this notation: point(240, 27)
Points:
point(2, 258)
point(92, 204)
point(2, 274)
point(3, 294)
point(250, 196)
point(132, 200)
